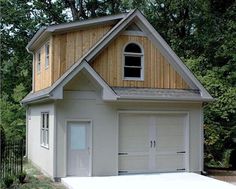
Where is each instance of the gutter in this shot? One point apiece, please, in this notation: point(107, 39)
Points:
point(36, 37)
point(36, 99)
point(127, 98)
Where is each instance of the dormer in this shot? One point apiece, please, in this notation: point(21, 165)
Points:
point(56, 48)
point(122, 53)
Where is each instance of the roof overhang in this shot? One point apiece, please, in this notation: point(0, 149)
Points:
point(126, 93)
point(45, 32)
point(55, 92)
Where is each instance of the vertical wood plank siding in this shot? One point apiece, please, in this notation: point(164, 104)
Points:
point(158, 73)
point(65, 50)
point(69, 47)
point(43, 79)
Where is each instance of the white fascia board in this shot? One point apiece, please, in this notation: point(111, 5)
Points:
point(107, 93)
point(35, 38)
point(85, 23)
point(44, 31)
point(175, 61)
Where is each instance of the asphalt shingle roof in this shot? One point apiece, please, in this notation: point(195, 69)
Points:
point(124, 92)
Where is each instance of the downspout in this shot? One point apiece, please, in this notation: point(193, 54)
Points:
point(56, 179)
point(32, 67)
point(26, 141)
point(27, 108)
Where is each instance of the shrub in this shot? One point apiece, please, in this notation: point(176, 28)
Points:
point(8, 181)
point(21, 177)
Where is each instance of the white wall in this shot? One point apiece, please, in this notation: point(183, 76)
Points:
point(40, 156)
point(81, 101)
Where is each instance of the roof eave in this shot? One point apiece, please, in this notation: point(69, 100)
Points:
point(42, 98)
point(44, 32)
point(147, 98)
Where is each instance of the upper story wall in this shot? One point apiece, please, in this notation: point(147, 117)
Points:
point(64, 50)
point(157, 73)
point(43, 72)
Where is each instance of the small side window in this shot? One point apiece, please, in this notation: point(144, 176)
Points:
point(133, 62)
point(45, 129)
point(47, 48)
point(39, 61)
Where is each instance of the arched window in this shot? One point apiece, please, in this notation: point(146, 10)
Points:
point(133, 62)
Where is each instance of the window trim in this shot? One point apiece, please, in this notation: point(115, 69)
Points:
point(47, 56)
point(141, 55)
point(44, 138)
point(38, 61)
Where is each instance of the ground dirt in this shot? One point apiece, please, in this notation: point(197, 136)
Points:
point(223, 175)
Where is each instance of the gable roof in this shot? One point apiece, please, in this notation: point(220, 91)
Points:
point(141, 21)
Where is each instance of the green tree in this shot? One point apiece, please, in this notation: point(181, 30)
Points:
point(203, 33)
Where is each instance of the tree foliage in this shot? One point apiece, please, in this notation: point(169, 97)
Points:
point(201, 32)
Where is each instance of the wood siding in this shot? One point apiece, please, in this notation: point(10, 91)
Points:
point(43, 79)
point(65, 50)
point(158, 73)
point(69, 47)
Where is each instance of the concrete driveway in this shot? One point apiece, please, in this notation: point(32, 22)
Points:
point(145, 181)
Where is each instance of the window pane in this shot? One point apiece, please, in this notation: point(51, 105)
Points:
point(47, 120)
point(132, 72)
point(43, 121)
point(42, 131)
point(47, 62)
point(47, 49)
point(46, 137)
point(132, 61)
point(133, 48)
point(47, 55)
point(39, 56)
point(78, 137)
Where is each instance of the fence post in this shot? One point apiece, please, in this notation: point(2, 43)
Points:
point(22, 154)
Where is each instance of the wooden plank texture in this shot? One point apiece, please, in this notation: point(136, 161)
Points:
point(158, 71)
point(65, 50)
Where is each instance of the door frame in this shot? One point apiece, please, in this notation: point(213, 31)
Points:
point(90, 141)
point(187, 134)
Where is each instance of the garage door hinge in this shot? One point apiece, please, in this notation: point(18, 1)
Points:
point(181, 152)
point(181, 169)
point(122, 153)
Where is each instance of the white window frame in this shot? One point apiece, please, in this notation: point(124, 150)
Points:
point(130, 54)
point(47, 54)
point(44, 130)
point(38, 60)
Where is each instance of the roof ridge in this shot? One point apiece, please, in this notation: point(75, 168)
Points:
point(90, 19)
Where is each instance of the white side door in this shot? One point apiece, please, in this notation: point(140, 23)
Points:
point(78, 148)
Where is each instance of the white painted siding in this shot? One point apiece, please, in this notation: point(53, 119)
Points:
point(38, 155)
point(82, 101)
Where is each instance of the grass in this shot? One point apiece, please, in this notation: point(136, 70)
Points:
point(36, 180)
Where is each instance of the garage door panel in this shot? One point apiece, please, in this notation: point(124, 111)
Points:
point(133, 145)
point(170, 162)
point(133, 135)
point(133, 163)
point(158, 139)
point(167, 144)
point(169, 130)
point(133, 119)
point(167, 119)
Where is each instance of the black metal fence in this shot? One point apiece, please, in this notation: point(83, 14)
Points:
point(11, 157)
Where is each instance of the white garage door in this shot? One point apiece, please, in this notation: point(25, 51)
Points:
point(152, 143)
